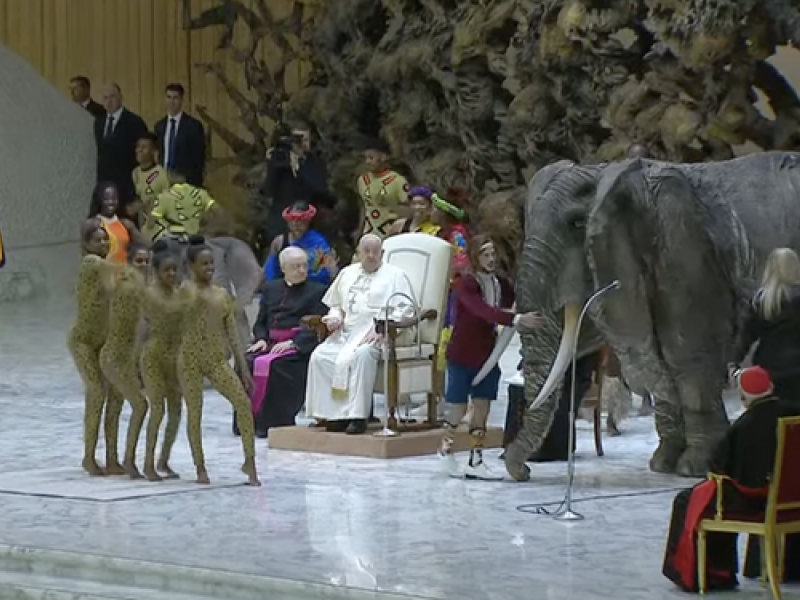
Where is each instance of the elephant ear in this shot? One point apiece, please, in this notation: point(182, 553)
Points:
point(651, 231)
point(621, 244)
point(541, 181)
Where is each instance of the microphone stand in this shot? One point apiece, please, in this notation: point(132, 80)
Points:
point(566, 513)
point(387, 431)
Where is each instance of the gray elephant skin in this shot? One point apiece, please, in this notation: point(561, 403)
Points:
point(687, 242)
point(235, 268)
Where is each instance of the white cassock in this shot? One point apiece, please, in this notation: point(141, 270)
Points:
point(342, 370)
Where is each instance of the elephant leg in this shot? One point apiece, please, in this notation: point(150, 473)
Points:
point(646, 409)
point(536, 425)
point(671, 435)
point(704, 429)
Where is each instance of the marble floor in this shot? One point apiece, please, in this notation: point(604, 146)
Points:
point(392, 526)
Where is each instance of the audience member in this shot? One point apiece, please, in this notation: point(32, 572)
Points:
point(80, 88)
point(181, 138)
point(182, 209)
point(341, 373)
point(103, 212)
point(116, 135)
point(281, 348)
point(150, 181)
point(420, 219)
point(773, 322)
point(294, 173)
point(637, 151)
point(745, 457)
point(321, 260)
point(383, 192)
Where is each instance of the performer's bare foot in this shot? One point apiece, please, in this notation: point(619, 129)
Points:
point(131, 470)
point(151, 475)
point(202, 476)
point(168, 473)
point(114, 468)
point(249, 469)
point(92, 468)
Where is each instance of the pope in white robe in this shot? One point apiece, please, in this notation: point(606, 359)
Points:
point(342, 370)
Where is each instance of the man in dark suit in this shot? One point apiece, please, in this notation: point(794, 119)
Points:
point(116, 134)
point(181, 139)
point(80, 88)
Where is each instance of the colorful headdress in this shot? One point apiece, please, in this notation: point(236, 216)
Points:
point(424, 192)
point(291, 213)
point(444, 206)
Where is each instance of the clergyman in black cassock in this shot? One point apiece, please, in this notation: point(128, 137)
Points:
point(746, 455)
point(283, 305)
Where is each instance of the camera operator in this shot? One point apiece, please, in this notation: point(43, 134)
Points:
point(293, 173)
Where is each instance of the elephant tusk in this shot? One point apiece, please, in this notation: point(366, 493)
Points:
point(502, 343)
point(563, 358)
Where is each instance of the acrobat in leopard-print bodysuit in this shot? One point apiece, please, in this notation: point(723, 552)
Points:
point(85, 340)
point(209, 334)
point(119, 361)
point(164, 307)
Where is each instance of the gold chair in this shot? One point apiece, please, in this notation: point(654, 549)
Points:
point(412, 346)
point(781, 517)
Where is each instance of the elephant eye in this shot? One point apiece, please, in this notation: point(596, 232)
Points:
point(578, 223)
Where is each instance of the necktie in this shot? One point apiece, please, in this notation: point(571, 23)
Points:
point(109, 127)
point(171, 144)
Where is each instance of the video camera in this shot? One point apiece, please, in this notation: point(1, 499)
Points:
point(283, 142)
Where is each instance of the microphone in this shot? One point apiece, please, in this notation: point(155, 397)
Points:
point(614, 285)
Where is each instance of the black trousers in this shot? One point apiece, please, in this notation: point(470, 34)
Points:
point(285, 393)
point(556, 443)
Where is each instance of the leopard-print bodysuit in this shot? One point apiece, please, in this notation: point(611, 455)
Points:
point(86, 338)
point(208, 336)
point(119, 361)
point(164, 313)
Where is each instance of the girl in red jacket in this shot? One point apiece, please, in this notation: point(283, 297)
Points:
point(484, 301)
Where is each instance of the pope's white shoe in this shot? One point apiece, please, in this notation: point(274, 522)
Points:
point(480, 471)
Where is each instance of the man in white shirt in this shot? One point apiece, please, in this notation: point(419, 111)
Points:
point(342, 370)
point(181, 138)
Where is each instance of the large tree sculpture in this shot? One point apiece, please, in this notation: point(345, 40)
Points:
point(479, 94)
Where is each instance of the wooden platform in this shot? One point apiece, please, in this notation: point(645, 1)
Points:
point(421, 443)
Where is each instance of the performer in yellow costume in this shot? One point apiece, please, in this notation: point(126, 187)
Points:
point(384, 192)
point(150, 181)
point(182, 209)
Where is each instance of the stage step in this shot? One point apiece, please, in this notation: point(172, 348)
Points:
point(40, 574)
point(25, 586)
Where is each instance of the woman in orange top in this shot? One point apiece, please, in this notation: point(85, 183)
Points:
point(103, 213)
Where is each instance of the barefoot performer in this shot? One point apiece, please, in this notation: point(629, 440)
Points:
point(88, 334)
point(210, 333)
point(119, 361)
point(164, 308)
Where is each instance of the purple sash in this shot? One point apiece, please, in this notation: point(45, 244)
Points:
point(262, 364)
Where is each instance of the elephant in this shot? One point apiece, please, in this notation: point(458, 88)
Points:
point(687, 244)
point(235, 268)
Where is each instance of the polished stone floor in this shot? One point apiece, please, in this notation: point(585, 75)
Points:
point(395, 526)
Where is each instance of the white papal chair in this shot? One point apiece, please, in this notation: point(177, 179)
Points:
point(410, 365)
